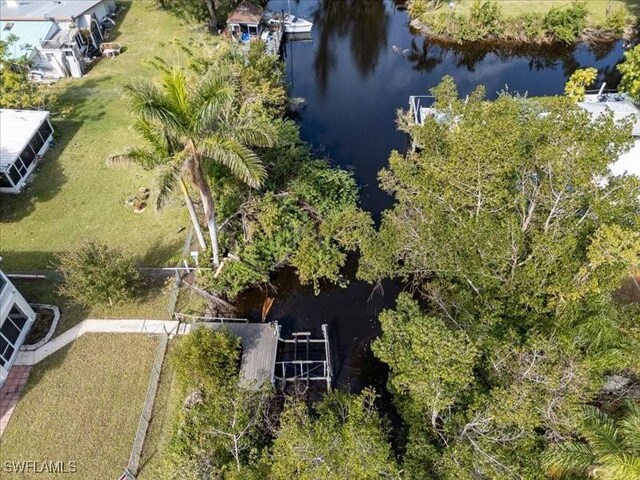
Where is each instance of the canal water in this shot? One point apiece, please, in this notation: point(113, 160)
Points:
point(359, 66)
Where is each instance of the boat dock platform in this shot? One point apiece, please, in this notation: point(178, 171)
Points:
point(267, 357)
point(272, 38)
point(259, 347)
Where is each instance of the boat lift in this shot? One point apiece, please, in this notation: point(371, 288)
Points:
point(298, 366)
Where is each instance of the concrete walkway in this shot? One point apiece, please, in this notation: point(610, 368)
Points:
point(149, 327)
point(19, 373)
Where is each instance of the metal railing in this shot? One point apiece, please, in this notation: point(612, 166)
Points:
point(205, 319)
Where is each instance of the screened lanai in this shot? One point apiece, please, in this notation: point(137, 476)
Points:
point(25, 135)
point(16, 318)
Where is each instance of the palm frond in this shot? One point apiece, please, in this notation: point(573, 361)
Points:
point(152, 105)
point(147, 159)
point(214, 93)
point(249, 131)
point(165, 182)
point(157, 137)
point(630, 430)
point(569, 458)
point(601, 432)
point(174, 85)
point(242, 162)
point(624, 467)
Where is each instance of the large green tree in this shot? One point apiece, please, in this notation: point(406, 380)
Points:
point(16, 90)
point(630, 70)
point(203, 128)
point(221, 424)
point(346, 438)
point(512, 231)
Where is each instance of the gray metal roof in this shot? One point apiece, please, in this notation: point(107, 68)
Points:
point(17, 127)
point(45, 9)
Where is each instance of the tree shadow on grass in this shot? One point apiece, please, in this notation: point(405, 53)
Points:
point(161, 254)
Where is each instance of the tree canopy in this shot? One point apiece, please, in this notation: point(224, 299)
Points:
point(16, 90)
point(513, 235)
point(344, 439)
point(630, 70)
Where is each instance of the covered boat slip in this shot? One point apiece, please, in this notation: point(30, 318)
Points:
point(25, 135)
point(267, 357)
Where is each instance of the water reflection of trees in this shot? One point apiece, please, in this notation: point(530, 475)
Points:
point(427, 54)
point(365, 22)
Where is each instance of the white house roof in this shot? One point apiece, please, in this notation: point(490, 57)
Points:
point(621, 109)
point(35, 10)
point(29, 35)
point(629, 162)
point(17, 127)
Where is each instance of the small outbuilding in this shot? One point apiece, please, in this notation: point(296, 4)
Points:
point(16, 318)
point(245, 20)
point(25, 136)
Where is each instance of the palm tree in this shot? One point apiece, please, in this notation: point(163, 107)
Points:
point(610, 449)
point(155, 156)
point(192, 126)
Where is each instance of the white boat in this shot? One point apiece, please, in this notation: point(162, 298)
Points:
point(291, 23)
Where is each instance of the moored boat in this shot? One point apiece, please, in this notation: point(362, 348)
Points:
point(292, 23)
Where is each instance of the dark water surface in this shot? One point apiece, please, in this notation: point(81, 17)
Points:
point(360, 66)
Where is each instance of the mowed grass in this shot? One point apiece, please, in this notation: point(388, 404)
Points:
point(82, 404)
point(166, 409)
point(597, 8)
point(151, 303)
point(75, 197)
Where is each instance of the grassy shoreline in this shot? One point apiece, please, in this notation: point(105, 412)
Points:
point(521, 22)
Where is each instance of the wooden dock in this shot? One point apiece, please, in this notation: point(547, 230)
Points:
point(259, 345)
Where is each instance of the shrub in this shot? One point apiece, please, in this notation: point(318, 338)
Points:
point(576, 86)
point(205, 359)
point(566, 24)
point(486, 16)
point(95, 273)
point(532, 26)
point(616, 21)
point(630, 70)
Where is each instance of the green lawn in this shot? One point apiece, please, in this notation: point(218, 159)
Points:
point(75, 197)
point(165, 412)
point(82, 404)
point(152, 303)
point(597, 8)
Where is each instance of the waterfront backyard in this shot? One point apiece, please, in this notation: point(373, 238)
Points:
point(75, 197)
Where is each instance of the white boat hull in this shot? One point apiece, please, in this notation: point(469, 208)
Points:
point(298, 27)
point(293, 24)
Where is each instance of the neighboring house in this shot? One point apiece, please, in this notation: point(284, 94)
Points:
point(25, 135)
point(622, 107)
point(16, 318)
point(54, 36)
point(420, 108)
